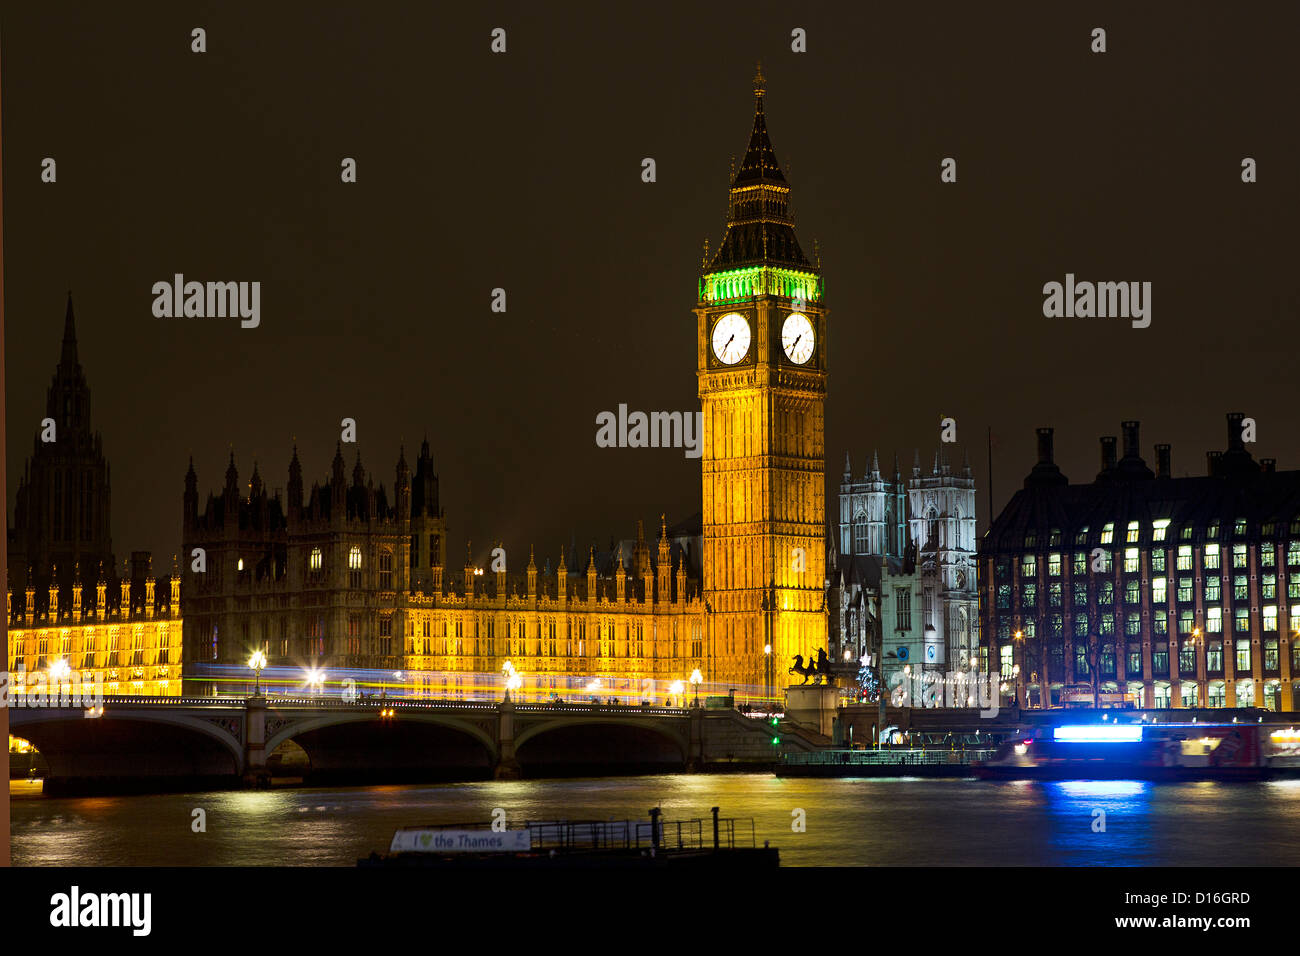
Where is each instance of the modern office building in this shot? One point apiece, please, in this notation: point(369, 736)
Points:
point(1143, 588)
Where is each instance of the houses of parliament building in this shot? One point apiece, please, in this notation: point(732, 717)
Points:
point(347, 576)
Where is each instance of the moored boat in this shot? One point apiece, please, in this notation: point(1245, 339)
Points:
point(1142, 751)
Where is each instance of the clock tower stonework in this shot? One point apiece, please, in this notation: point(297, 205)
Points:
point(761, 349)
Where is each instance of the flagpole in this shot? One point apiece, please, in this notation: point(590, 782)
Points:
point(990, 525)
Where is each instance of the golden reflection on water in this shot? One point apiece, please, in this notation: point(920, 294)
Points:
point(898, 822)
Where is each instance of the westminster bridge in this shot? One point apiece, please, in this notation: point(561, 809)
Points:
point(204, 743)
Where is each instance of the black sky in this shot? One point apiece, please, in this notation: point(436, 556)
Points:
point(523, 171)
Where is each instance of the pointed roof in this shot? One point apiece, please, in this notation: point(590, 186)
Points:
point(69, 355)
point(760, 228)
point(759, 164)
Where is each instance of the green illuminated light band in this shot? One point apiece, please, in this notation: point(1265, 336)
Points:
point(760, 280)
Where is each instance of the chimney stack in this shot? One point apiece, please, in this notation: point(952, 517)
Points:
point(1212, 461)
point(1045, 446)
point(1162, 462)
point(1108, 453)
point(1234, 431)
point(1130, 439)
point(1045, 472)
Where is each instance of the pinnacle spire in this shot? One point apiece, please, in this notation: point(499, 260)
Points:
point(69, 355)
point(760, 228)
point(760, 162)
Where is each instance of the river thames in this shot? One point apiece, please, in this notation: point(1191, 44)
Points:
point(898, 822)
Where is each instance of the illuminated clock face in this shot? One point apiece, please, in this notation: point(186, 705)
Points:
point(731, 338)
point(797, 338)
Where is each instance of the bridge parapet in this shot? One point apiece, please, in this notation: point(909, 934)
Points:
point(359, 735)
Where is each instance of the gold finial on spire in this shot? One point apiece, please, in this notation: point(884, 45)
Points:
point(760, 85)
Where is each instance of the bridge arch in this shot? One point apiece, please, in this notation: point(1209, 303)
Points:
point(406, 746)
point(581, 744)
point(132, 749)
point(296, 728)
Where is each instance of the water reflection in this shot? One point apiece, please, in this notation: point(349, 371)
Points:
point(900, 822)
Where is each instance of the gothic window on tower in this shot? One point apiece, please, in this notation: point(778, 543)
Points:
point(354, 634)
point(385, 570)
point(903, 608)
point(354, 568)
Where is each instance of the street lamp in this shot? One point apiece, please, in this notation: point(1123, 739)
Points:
point(514, 680)
point(696, 680)
point(768, 676)
point(315, 679)
point(677, 688)
point(59, 672)
point(257, 662)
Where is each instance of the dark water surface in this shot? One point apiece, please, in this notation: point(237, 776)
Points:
point(907, 822)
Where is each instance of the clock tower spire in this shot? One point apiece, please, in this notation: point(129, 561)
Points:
point(761, 364)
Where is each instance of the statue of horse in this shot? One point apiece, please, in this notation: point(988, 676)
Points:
point(799, 668)
point(819, 670)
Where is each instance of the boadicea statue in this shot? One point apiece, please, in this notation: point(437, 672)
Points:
point(819, 670)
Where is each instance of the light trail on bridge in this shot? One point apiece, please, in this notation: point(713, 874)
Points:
point(476, 686)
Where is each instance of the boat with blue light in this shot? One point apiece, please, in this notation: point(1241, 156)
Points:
point(1147, 751)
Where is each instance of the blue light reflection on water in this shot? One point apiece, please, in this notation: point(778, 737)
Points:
point(1116, 814)
point(900, 822)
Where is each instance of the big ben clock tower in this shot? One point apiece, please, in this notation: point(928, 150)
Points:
point(761, 355)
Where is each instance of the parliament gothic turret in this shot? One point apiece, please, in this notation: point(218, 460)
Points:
point(73, 615)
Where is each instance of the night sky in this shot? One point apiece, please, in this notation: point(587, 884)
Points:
point(522, 171)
